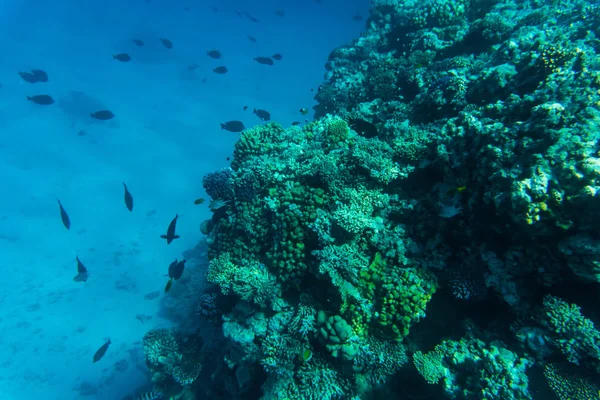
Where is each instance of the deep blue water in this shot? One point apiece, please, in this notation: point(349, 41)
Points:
point(165, 136)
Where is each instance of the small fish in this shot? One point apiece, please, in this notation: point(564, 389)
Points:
point(186, 9)
point(143, 318)
point(262, 114)
point(199, 201)
point(250, 17)
point(168, 285)
point(151, 395)
point(357, 18)
point(82, 272)
point(295, 123)
point(102, 115)
point(138, 42)
point(252, 39)
point(303, 111)
point(64, 216)
point(279, 13)
point(239, 13)
point(170, 236)
point(41, 99)
point(264, 60)
point(101, 351)
point(233, 126)
point(245, 108)
point(277, 57)
point(214, 54)
point(128, 198)
point(35, 76)
point(123, 57)
point(167, 43)
point(152, 295)
point(220, 70)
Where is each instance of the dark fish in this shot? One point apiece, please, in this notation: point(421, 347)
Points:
point(245, 108)
point(303, 111)
point(295, 123)
point(138, 42)
point(262, 114)
point(143, 318)
point(41, 99)
point(363, 128)
point(214, 54)
point(102, 115)
point(101, 351)
point(152, 295)
point(186, 9)
point(64, 216)
point(128, 198)
point(123, 57)
point(239, 13)
point(35, 76)
point(199, 201)
point(167, 43)
point(277, 57)
point(176, 269)
point(233, 126)
point(170, 236)
point(252, 39)
point(168, 285)
point(220, 70)
point(357, 18)
point(280, 13)
point(250, 17)
point(82, 272)
point(264, 60)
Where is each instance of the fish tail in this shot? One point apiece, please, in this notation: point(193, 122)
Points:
point(222, 125)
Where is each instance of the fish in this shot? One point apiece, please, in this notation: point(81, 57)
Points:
point(262, 114)
point(245, 108)
point(128, 198)
point(123, 57)
point(143, 318)
point(264, 60)
point(168, 285)
point(101, 351)
point(102, 115)
point(170, 236)
point(138, 42)
point(250, 17)
point(303, 111)
point(214, 54)
point(167, 43)
point(82, 272)
point(252, 39)
point(233, 126)
point(220, 70)
point(363, 128)
point(151, 395)
point(279, 13)
point(295, 123)
point(64, 216)
point(177, 270)
point(152, 295)
point(277, 57)
point(199, 201)
point(35, 76)
point(41, 99)
point(357, 18)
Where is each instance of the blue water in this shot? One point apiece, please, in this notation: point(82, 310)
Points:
point(164, 138)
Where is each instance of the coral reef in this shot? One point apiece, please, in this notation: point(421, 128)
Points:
point(444, 198)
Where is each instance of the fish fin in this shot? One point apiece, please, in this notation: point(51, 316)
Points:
point(164, 236)
point(222, 125)
point(176, 237)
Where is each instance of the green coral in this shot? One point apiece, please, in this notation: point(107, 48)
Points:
point(430, 365)
point(250, 280)
point(172, 353)
point(575, 335)
point(569, 383)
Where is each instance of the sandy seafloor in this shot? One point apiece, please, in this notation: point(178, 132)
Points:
point(164, 138)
